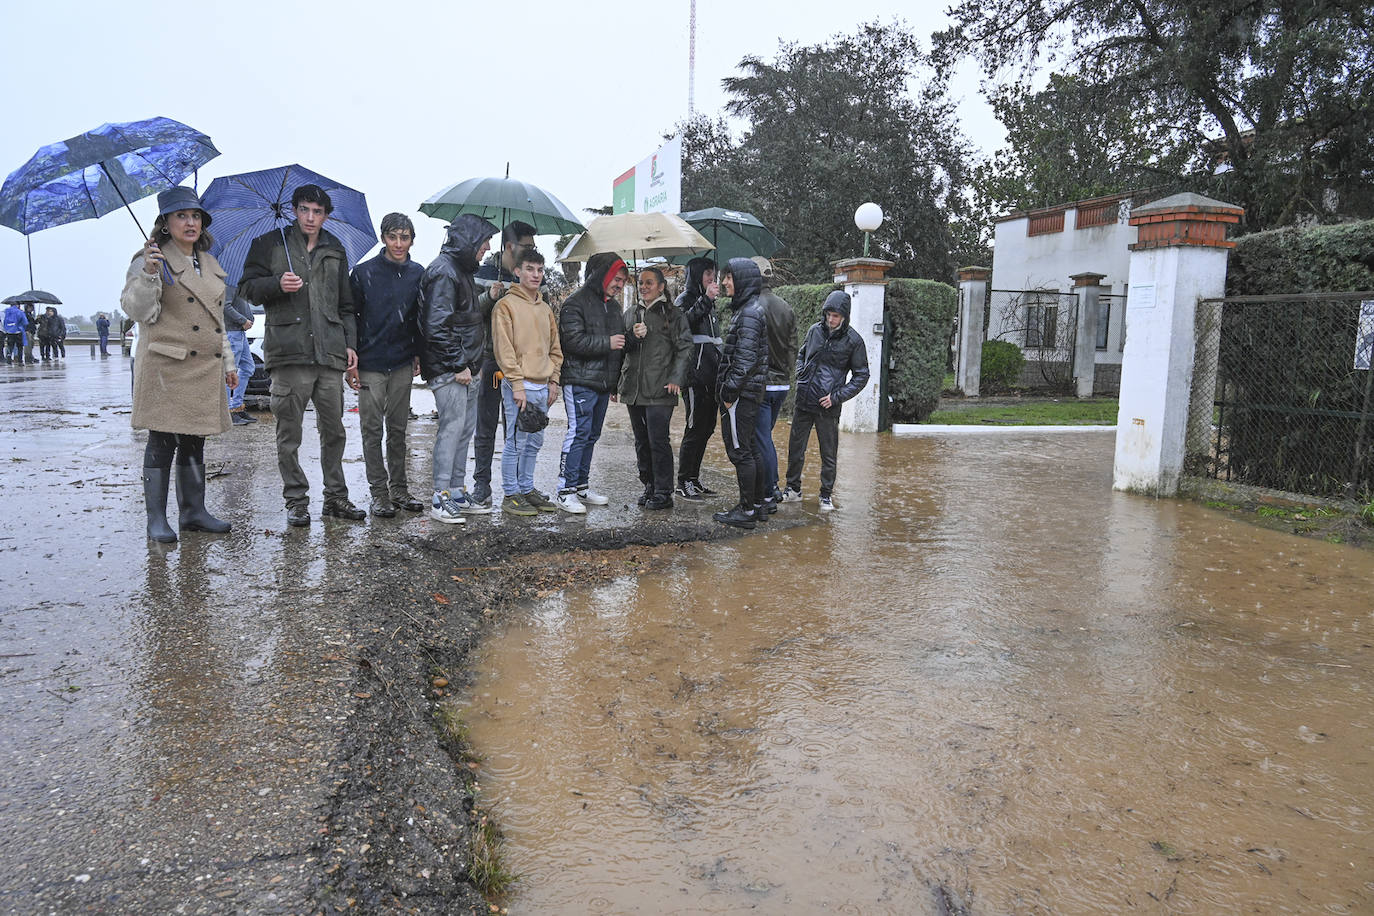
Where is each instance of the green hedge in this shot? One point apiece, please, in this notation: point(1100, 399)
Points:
point(1320, 259)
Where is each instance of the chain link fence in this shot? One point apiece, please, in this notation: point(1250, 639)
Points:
point(1283, 393)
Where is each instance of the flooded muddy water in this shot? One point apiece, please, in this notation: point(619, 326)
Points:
point(987, 682)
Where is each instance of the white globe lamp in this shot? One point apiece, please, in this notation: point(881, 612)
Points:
point(868, 218)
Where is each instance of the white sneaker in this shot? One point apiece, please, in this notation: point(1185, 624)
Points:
point(444, 508)
point(791, 496)
point(569, 502)
point(828, 504)
point(592, 498)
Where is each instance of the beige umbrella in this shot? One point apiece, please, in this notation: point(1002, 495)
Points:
point(635, 236)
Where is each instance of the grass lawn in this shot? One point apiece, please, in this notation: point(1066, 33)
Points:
point(1033, 412)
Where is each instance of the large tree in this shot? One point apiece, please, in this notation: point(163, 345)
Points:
point(826, 128)
point(1271, 99)
point(1071, 141)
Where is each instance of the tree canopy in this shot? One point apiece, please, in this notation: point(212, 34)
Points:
point(1263, 102)
point(828, 127)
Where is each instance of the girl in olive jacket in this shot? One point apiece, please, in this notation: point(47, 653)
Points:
point(658, 348)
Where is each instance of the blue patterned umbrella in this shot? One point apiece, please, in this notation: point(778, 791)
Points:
point(243, 207)
point(99, 171)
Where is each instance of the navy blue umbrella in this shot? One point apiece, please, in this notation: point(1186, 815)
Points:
point(101, 170)
point(243, 207)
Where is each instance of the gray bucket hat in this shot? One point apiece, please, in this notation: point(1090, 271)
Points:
point(181, 198)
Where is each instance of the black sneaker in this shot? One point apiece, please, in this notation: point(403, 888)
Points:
point(737, 516)
point(703, 489)
point(689, 491)
point(644, 497)
point(659, 501)
point(342, 508)
point(238, 419)
point(760, 513)
point(298, 516)
point(382, 507)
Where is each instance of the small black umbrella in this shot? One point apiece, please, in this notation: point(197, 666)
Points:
point(33, 295)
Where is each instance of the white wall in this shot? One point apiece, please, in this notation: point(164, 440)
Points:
point(1021, 261)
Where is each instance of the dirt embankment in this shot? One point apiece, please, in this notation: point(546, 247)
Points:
point(399, 834)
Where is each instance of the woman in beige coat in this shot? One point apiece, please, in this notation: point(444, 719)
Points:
point(175, 291)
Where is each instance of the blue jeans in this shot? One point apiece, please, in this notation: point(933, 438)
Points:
point(243, 357)
point(586, 410)
point(522, 448)
point(457, 406)
point(763, 439)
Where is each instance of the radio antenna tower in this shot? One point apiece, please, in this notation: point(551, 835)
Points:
point(692, 60)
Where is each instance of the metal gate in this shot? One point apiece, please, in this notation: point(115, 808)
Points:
point(1283, 393)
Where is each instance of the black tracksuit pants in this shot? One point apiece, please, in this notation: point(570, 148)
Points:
point(700, 402)
point(653, 447)
point(737, 432)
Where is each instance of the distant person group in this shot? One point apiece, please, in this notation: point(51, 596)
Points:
point(485, 340)
point(22, 325)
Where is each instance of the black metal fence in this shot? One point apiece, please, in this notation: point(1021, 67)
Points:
point(1283, 393)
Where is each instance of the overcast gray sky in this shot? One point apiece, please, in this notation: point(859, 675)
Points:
point(397, 98)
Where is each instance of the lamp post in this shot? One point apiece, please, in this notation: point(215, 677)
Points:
point(868, 218)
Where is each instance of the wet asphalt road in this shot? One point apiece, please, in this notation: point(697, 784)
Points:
point(172, 716)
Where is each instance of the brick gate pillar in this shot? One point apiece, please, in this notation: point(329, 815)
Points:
point(973, 303)
point(1179, 258)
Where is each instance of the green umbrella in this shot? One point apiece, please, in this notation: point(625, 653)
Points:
point(734, 234)
point(503, 199)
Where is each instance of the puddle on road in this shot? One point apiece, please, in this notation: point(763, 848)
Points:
point(987, 675)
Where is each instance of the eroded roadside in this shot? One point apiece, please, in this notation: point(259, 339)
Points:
point(405, 813)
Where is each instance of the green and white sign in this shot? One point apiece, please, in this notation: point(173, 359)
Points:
point(653, 186)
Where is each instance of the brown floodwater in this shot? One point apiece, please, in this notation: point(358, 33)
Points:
point(987, 682)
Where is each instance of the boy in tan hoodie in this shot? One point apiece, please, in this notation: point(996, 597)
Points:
point(524, 334)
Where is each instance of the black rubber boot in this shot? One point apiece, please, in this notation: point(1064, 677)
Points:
point(155, 482)
point(191, 501)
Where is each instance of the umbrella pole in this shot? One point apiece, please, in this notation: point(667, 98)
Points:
point(122, 199)
point(286, 248)
point(28, 242)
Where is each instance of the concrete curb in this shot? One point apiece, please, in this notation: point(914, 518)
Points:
point(935, 429)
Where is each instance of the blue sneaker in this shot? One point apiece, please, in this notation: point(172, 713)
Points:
point(469, 506)
point(445, 509)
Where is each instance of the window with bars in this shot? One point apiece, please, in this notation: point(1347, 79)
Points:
point(1045, 223)
point(1103, 214)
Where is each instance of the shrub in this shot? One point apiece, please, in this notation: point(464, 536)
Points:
point(1320, 259)
point(1001, 366)
point(919, 314)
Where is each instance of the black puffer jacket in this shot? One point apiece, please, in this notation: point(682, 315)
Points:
point(827, 358)
point(744, 360)
point(585, 325)
point(700, 312)
point(450, 320)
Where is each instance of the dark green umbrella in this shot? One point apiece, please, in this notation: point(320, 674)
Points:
point(504, 200)
point(734, 233)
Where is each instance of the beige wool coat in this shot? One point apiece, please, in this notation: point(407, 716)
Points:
point(183, 353)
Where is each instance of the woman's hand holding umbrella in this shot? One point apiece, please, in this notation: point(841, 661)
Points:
point(152, 257)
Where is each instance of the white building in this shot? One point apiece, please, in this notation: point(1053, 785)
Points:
point(1035, 254)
